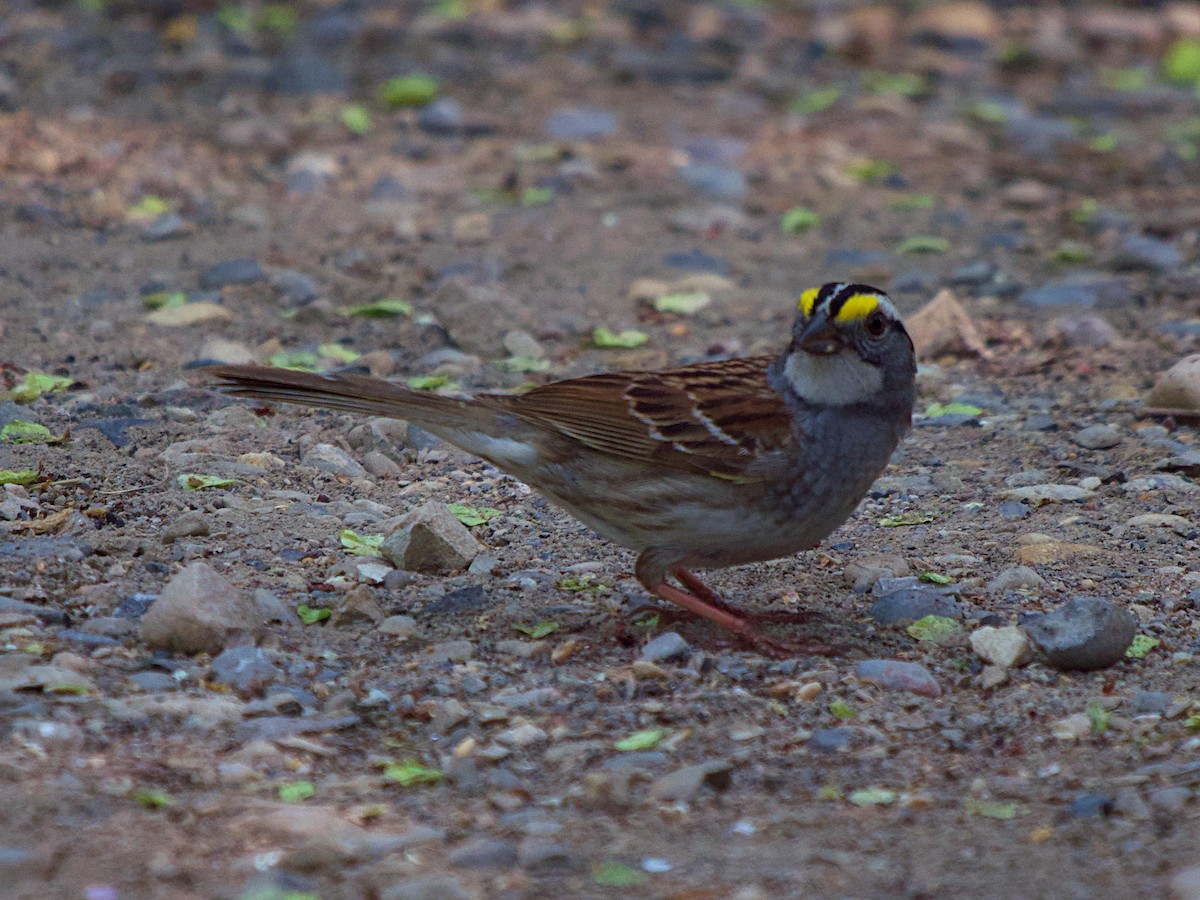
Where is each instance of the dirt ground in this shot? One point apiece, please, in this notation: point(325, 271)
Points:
point(1039, 161)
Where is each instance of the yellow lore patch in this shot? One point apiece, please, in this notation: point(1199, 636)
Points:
point(807, 300)
point(858, 306)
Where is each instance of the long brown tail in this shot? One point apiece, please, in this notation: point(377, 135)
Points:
point(351, 393)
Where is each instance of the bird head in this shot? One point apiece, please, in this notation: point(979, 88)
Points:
point(848, 346)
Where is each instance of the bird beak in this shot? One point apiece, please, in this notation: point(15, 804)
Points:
point(820, 338)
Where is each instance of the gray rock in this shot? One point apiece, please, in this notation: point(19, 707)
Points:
point(668, 645)
point(425, 887)
point(684, 784)
point(245, 669)
point(432, 540)
point(905, 606)
point(1097, 437)
point(585, 124)
point(231, 271)
point(1141, 252)
point(198, 611)
point(402, 627)
point(47, 614)
point(153, 682)
point(443, 116)
point(191, 523)
point(896, 675)
point(1017, 578)
point(1084, 633)
point(484, 853)
point(294, 287)
point(1170, 800)
point(1084, 292)
point(540, 856)
point(271, 608)
point(1049, 493)
point(357, 607)
point(458, 303)
point(333, 460)
point(832, 740)
point(1004, 647)
point(721, 182)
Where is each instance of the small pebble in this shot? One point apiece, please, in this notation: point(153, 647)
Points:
point(1097, 437)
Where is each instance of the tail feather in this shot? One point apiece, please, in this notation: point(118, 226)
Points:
point(349, 393)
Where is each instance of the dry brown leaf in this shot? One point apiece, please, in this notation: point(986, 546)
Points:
point(942, 327)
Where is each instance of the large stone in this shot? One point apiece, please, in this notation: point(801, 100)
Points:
point(198, 611)
point(460, 306)
point(1084, 633)
point(431, 540)
point(1004, 647)
point(1178, 387)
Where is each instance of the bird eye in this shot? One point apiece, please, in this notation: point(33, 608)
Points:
point(876, 325)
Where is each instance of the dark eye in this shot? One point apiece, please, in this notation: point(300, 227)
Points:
point(876, 325)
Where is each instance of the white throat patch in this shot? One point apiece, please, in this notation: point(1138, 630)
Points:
point(838, 380)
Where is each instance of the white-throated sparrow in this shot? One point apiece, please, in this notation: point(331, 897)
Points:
point(708, 465)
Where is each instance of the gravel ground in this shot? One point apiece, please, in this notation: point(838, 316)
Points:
point(211, 685)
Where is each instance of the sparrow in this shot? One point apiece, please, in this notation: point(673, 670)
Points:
point(708, 465)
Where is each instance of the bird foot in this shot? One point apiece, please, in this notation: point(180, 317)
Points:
point(746, 626)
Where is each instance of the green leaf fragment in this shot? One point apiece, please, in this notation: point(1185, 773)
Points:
point(66, 687)
point(338, 352)
point(816, 101)
point(618, 875)
point(34, 384)
point(799, 219)
point(149, 207)
point(829, 791)
point(360, 544)
point(18, 476)
point(905, 519)
point(912, 202)
point(935, 629)
point(580, 583)
point(356, 118)
point(1181, 64)
point(872, 170)
point(991, 809)
point(165, 300)
point(18, 431)
point(841, 710)
point(519, 364)
point(1103, 143)
point(296, 791)
point(1125, 79)
point(937, 410)
point(311, 615)
point(905, 84)
point(193, 481)
point(299, 360)
point(872, 796)
point(473, 515)
point(430, 382)
point(1086, 212)
point(1072, 252)
point(683, 304)
point(408, 90)
point(153, 799)
point(538, 631)
point(987, 112)
point(1141, 645)
point(640, 740)
point(536, 196)
point(411, 773)
point(923, 243)
point(624, 340)
point(1099, 718)
point(384, 308)
point(935, 578)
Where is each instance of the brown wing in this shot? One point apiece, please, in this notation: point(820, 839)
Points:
point(717, 418)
